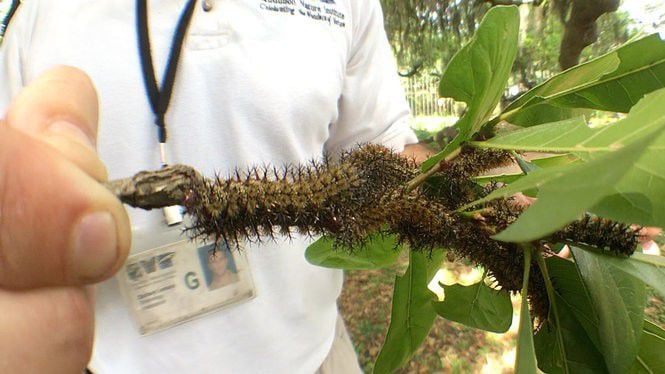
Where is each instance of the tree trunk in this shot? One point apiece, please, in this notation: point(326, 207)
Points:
point(581, 29)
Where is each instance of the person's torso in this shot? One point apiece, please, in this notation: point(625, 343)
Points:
point(258, 81)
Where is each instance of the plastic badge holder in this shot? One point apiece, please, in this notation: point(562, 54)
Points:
point(169, 279)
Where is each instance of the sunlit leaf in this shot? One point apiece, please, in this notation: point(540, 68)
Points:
point(561, 136)
point(478, 73)
point(542, 163)
point(613, 82)
point(623, 176)
point(552, 161)
point(637, 196)
point(476, 306)
point(526, 166)
point(573, 135)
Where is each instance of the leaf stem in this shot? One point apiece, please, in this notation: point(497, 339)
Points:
point(528, 249)
point(526, 166)
point(527, 363)
point(502, 117)
point(421, 178)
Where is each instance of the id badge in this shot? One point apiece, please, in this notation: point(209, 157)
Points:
point(176, 280)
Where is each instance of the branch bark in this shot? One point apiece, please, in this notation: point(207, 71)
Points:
point(581, 29)
point(157, 189)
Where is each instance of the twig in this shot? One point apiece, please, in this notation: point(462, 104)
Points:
point(158, 188)
point(421, 178)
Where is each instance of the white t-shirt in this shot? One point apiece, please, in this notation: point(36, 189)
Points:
point(278, 81)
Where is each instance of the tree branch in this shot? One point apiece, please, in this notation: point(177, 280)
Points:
point(157, 189)
point(581, 29)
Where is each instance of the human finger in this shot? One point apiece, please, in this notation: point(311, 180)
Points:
point(60, 108)
point(59, 226)
point(47, 330)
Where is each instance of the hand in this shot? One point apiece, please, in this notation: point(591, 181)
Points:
point(60, 230)
point(646, 239)
point(419, 152)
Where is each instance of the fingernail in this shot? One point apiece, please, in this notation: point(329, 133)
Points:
point(72, 132)
point(95, 246)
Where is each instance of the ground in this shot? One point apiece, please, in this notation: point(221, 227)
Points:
point(449, 348)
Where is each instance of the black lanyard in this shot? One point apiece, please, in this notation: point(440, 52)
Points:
point(159, 100)
point(8, 17)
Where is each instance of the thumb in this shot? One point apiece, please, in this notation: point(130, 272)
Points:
point(58, 225)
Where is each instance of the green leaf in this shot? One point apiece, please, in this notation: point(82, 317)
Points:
point(412, 313)
point(477, 306)
point(525, 361)
point(526, 166)
point(578, 354)
point(571, 345)
point(637, 196)
point(618, 300)
point(562, 136)
point(649, 269)
point(501, 178)
point(565, 193)
point(658, 261)
point(551, 161)
point(478, 73)
point(613, 82)
point(573, 135)
point(542, 163)
point(567, 81)
point(650, 359)
point(379, 252)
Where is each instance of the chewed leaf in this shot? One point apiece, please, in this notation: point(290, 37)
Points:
point(477, 306)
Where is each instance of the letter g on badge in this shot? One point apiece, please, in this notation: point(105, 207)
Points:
point(192, 280)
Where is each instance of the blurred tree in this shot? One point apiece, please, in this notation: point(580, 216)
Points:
point(426, 33)
point(542, 41)
point(581, 29)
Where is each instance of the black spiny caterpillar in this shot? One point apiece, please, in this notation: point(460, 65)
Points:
point(601, 233)
point(454, 186)
point(365, 192)
point(342, 199)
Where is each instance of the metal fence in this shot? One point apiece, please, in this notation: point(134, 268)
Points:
point(422, 95)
